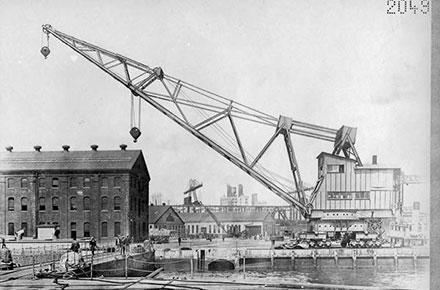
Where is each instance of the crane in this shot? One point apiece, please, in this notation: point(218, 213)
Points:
point(192, 199)
point(206, 115)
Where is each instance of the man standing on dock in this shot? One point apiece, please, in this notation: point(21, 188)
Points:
point(179, 240)
point(92, 245)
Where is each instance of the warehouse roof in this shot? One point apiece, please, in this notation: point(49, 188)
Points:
point(69, 160)
point(155, 212)
point(223, 217)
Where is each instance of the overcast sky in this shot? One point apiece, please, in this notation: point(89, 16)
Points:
point(329, 63)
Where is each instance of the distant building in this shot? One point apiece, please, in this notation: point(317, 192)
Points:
point(412, 228)
point(254, 223)
point(86, 193)
point(165, 217)
point(232, 198)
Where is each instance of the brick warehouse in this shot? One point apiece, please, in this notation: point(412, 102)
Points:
point(86, 193)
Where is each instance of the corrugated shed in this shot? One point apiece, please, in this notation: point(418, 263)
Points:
point(69, 160)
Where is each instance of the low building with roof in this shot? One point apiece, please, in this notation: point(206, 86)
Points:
point(253, 223)
point(96, 193)
point(165, 217)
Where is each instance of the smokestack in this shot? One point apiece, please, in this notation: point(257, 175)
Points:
point(37, 148)
point(9, 148)
point(123, 147)
point(66, 148)
point(94, 147)
point(374, 159)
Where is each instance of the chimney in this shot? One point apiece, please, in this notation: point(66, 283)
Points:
point(66, 148)
point(9, 148)
point(123, 147)
point(374, 159)
point(94, 147)
point(37, 148)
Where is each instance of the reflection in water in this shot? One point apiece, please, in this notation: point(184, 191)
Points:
point(401, 277)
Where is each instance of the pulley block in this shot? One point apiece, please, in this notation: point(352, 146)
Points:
point(45, 51)
point(135, 133)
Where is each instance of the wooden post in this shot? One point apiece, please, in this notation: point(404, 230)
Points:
point(374, 258)
point(91, 269)
point(354, 258)
point(272, 262)
point(292, 261)
point(335, 255)
point(126, 265)
point(244, 266)
point(396, 257)
point(33, 265)
point(192, 267)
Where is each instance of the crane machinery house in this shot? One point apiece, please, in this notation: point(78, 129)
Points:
point(353, 198)
point(96, 193)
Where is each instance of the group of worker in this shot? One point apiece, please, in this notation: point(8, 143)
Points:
point(122, 242)
point(75, 246)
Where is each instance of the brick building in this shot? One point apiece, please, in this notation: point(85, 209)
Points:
point(86, 193)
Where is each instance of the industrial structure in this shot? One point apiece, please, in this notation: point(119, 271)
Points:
point(96, 193)
point(344, 200)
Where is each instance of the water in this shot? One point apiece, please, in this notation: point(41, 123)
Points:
point(391, 277)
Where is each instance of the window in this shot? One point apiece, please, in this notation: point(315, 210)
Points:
point(24, 183)
point(55, 203)
point(104, 202)
point(144, 228)
point(11, 183)
point(117, 182)
point(24, 204)
point(73, 203)
point(117, 229)
point(11, 229)
point(335, 168)
point(117, 203)
point(86, 182)
point(170, 218)
point(73, 182)
point(339, 195)
point(42, 203)
point(86, 203)
point(104, 230)
point(11, 204)
point(41, 182)
point(73, 230)
point(86, 230)
point(362, 195)
point(104, 182)
point(55, 182)
point(24, 227)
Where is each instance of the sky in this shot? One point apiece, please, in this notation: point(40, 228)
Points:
point(328, 63)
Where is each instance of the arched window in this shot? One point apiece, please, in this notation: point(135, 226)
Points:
point(24, 183)
point(117, 229)
point(144, 228)
point(11, 183)
point(86, 229)
point(104, 203)
point(55, 203)
point(73, 203)
point(11, 229)
point(104, 233)
point(117, 182)
point(42, 182)
point(86, 203)
point(104, 182)
point(42, 203)
point(24, 227)
point(11, 204)
point(86, 182)
point(24, 204)
point(73, 230)
point(117, 203)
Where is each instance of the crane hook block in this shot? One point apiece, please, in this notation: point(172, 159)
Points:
point(45, 51)
point(135, 133)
